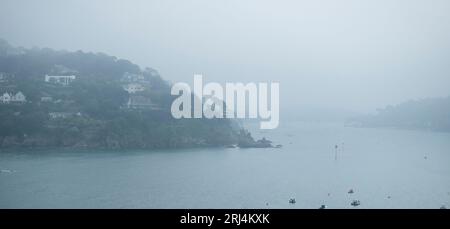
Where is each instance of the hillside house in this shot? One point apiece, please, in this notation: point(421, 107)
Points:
point(133, 88)
point(61, 80)
point(19, 97)
point(5, 98)
point(62, 115)
point(141, 102)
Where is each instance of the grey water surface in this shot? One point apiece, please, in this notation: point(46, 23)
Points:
point(386, 168)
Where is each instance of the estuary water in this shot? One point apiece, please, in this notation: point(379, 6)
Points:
point(386, 168)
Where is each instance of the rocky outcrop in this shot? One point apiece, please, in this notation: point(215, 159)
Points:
point(246, 141)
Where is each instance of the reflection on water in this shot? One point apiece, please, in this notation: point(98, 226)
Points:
point(379, 168)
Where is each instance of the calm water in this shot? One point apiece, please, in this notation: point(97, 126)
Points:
point(410, 167)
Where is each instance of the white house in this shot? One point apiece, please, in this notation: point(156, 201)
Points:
point(133, 88)
point(19, 97)
point(62, 80)
point(62, 115)
point(5, 98)
point(141, 102)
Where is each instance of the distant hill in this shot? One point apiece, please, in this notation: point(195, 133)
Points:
point(426, 114)
point(54, 98)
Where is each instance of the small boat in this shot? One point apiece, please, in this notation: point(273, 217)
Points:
point(355, 203)
point(443, 207)
point(351, 191)
point(323, 206)
point(292, 201)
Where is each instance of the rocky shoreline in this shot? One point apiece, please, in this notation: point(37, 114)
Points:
point(243, 140)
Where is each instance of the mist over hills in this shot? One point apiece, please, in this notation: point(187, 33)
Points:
point(80, 99)
point(425, 114)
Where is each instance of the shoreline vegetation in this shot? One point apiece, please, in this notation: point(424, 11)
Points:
point(61, 99)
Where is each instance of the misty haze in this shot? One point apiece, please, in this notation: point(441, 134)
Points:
point(87, 104)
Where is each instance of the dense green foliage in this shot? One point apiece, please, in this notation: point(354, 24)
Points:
point(94, 105)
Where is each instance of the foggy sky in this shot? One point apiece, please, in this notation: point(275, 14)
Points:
point(353, 55)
